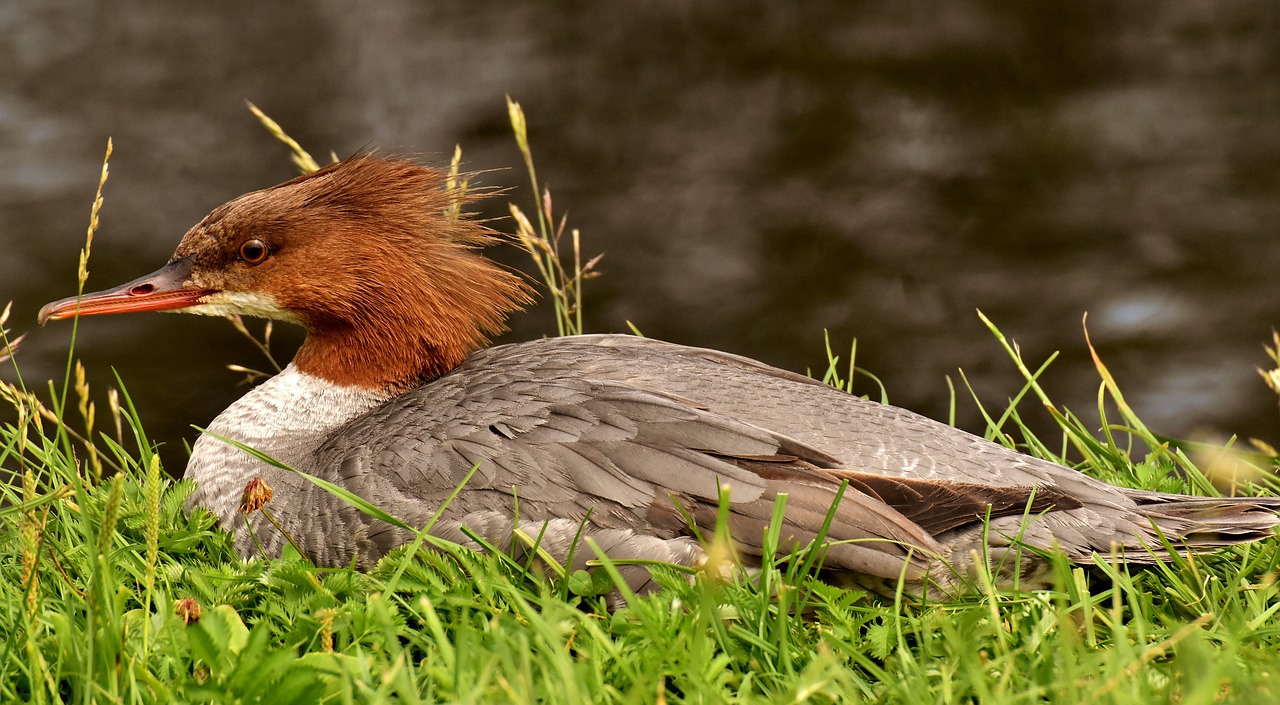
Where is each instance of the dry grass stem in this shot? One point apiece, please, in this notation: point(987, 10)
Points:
point(301, 158)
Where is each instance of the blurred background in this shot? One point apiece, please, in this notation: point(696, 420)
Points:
point(755, 173)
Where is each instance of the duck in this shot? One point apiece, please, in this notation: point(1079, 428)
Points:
point(638, 445)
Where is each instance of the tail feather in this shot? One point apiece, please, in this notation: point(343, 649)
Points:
point(1211, 522)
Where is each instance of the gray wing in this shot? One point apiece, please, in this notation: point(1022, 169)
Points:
point(611, 456)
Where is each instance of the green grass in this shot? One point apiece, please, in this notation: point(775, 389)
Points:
point(101, 573)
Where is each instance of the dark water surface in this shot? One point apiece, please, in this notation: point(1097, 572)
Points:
point(754, 172)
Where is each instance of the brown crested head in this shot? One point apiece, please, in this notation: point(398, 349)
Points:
point(391, 289)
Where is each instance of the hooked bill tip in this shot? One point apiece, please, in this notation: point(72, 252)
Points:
point(55, 311)
point(45, 315)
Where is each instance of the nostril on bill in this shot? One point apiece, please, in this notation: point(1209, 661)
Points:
point(142, 289)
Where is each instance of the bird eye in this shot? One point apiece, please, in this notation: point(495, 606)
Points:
point(253, 251)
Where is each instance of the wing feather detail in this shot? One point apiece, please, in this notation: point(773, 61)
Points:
point(572, 447)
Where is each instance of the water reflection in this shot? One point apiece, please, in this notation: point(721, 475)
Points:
point(755, 172)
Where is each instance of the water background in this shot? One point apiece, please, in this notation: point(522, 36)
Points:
point(755, 173)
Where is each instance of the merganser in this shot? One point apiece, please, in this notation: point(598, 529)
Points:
point(616, 438)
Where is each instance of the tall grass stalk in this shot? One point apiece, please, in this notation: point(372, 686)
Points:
point(564, 284)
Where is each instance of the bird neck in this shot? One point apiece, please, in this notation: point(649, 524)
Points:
point(431, 311)
point(377, 359)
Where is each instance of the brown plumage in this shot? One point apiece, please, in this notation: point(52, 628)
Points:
point(364, 220)
point(615, 438)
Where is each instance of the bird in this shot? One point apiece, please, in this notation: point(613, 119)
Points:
point(638, 445)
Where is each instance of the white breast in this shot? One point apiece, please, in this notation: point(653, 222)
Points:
point(287, 418)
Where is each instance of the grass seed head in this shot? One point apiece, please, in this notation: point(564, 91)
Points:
point(187, 609)
point(256, 495)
